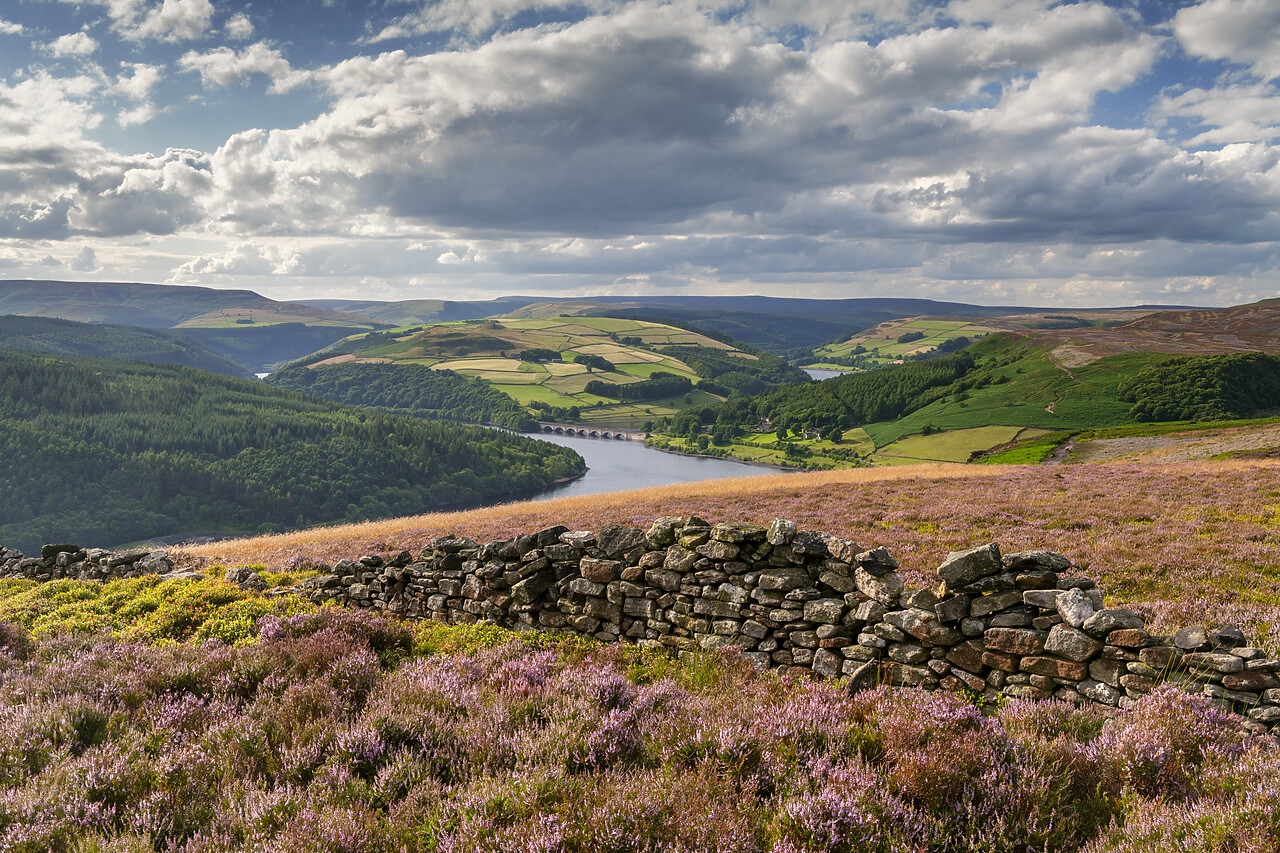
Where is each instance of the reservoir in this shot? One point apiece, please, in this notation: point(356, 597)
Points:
point(615, 466)
point(819, 375)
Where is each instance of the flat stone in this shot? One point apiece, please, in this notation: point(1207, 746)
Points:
point(600, 571)
point(1104, 622)
point(1018, 641)
point(1047, 560)
point(952, 609)
point(680, 559)
point(663, 532)
point(1160, 657)
point(1268, 714)
point(616, 539)
point(965, 567)
point(1071, 644)
point(1192, 638)
point(824, 611)
point(1129, 638)
point(1054, 667)
point(1099, 692)
point(987, 604)
point(924, 625)
point(784, 580)
point(1108, 671)
point(1045, 599)
point(811, 542)
point(967, 655)
point(1213, 662)
point(1254, 681)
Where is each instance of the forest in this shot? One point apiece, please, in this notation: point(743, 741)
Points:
point(834, 404)
point(1204, 388)
point(108, 452)
point(733, 375)
point(408, 389)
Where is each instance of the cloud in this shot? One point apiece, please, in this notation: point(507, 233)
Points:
point(244, 259)
point(224, 66)
point(10, 29)
point(170, 20)
point(72, 44)
point(1241, 31)
point(1247, 112)
point(238, 27)
point(472, 17)
point(84, 261)
point(139, 81)
point(714, 146)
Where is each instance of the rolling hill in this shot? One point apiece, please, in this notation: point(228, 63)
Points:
point(1023, 385)
point(591, 369)
point(239, 325)
point(131, 343)
point(110, 451)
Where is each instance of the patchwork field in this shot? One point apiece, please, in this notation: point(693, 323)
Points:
point(491, 350)
point(880, 345)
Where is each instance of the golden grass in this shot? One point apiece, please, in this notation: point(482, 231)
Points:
point(1188, 542)
point(504, 520)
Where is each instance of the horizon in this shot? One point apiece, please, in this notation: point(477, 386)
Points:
point(1103, 153)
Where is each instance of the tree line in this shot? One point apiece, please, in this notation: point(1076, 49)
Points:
point(408, 389)
point(832, 405)
point(104, 452)
point(1204, 387)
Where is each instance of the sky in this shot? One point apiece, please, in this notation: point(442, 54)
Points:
point(1004, 152)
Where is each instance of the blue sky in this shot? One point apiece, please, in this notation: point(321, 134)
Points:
point(998, 151)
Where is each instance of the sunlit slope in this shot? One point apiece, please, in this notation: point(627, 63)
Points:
point(591, 369)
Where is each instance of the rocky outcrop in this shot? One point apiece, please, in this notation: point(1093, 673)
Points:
point(996, 624)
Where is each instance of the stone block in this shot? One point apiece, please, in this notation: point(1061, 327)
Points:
point(988, 604)
point(1017, 641)
point(824, 611)
point(965, 567)
point(1071, 644)
point(878, 582)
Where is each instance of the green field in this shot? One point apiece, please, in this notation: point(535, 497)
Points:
point(490, 350)
point(952, 445)
point(880, 345)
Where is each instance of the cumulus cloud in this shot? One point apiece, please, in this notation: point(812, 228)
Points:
point(244, 259)
point(238, 27)
point(1241, 31)
point(72, 44)
point(10, 29)
point(136, 80)
point(86, 260)
point(224, 66)
point(169, 20)
point(703, 144)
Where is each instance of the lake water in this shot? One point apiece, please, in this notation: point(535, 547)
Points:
point(618, 465)
point(824, 374)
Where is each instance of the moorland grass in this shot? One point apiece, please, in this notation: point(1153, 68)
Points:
point(1187, 542)
point(339, 732)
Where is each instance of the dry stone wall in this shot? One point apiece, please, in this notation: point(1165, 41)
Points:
point(1019, 624)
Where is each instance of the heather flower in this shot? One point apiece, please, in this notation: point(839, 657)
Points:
point(1160, 746)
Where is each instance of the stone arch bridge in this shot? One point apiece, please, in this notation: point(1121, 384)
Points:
point(587, 431)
